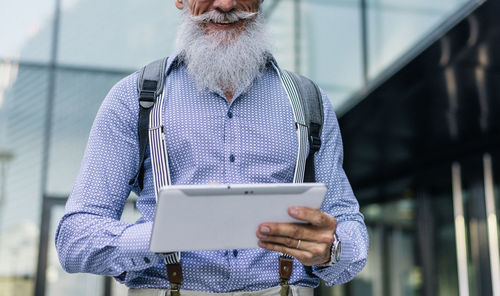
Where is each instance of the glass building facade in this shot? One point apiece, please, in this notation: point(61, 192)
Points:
point(59, 58)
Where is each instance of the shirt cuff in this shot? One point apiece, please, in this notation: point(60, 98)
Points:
point(134, 248)
point(333, 272)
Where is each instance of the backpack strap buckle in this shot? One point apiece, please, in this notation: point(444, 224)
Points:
point(147, 94)
point(147, 98)
point(314, 143)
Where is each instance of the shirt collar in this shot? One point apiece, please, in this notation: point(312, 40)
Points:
point(173, 60)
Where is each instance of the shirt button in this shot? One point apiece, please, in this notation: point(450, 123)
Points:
point(235, 253)
point(231, 158)
point(230, 114)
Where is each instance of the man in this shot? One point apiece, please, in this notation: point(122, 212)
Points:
point(227, 119)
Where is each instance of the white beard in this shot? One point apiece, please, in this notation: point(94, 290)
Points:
point(224, 60)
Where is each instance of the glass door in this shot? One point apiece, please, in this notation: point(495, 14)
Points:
point(56, 281)
point(491, 163)
point(476, 198)
point(412, 238)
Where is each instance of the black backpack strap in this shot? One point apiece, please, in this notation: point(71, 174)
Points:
point(312, 103)
point(150, 86)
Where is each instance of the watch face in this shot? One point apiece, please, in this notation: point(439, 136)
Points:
point(337, 252)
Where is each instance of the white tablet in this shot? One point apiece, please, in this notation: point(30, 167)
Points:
point(212, 217)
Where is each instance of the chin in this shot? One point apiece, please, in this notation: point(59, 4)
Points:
point(224, 36)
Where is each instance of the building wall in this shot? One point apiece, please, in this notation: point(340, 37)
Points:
point(59, 58)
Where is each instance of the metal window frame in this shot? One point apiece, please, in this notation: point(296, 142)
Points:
point(403, 60)
point(49, 203)
point(492, 224)
point(460, 233)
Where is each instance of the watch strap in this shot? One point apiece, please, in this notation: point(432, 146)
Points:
point(335, 252)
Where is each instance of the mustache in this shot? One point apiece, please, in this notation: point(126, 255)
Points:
point(223, 17)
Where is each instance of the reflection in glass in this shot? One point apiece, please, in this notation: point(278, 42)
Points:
point(491, 221)
point(26, 30)
point(280, 24)
point(331, 55)
point(396, 26)
point(130, 214)
point(412, 246)
point(78, 96)
point(446, 272)
point(61, 283)
point(23, 93)
point(370, 279)
point(475, 210)
point(116, 34)
point(392, 250)
point(496, 176)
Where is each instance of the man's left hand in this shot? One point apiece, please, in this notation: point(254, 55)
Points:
point(309, 242)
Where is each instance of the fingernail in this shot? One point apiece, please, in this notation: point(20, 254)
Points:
point(265, 229)
point(294, 211)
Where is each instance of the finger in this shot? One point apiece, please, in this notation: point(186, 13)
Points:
point(289, 242)
point(317, 249)
point(301, 255)
point(283, 240)
point(314, 216)
point(296, 231)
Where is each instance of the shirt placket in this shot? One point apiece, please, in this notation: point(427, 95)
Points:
point(232, 163)
point(231, 144)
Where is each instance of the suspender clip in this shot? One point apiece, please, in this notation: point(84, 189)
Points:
point(175, 290)
point(285, 287)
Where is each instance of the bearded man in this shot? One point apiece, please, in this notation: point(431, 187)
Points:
point(227, 119)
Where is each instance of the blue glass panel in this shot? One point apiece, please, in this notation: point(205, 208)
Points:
point(23, 97)
point(78, 96)
point(332, 54)
point(115, 33)
point(395, 26)
point(61, 283)
point(26, 29)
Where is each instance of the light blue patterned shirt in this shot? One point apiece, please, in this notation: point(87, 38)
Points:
point(250, 140)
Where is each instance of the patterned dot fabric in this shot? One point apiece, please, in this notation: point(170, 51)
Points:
point(250, 140)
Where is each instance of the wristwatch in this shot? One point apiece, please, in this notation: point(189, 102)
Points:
point(335, 252)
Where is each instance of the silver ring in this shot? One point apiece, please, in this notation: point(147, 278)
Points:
point(298, 244)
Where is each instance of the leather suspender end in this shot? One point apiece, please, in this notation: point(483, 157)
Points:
point(174, 272)
point(286, 267)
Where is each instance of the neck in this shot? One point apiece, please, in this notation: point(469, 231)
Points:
point(229, 95)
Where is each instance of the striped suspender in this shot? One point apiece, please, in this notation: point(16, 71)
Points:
point(285, 260)
point(161, 178)
point(300, 123)
point(159, 156)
